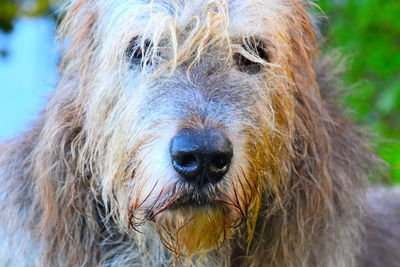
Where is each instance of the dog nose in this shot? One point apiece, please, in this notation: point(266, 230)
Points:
point(201, 156)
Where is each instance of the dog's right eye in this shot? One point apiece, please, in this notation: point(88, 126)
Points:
point(136, 52)
point(245, 64)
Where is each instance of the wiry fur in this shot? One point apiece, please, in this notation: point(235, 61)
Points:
point(90, 183)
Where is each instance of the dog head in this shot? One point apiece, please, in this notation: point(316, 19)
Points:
point(188, 109)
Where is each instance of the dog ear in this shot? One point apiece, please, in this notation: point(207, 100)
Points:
point(63, 184)
point(328, 150)
point(311, 173)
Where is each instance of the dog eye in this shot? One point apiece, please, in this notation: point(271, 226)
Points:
point(247, 65)
point(136, 52)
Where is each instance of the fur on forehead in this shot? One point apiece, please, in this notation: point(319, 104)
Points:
point(212, 23)
point(243, 18)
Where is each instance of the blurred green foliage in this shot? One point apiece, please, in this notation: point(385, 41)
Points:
point(367, 32)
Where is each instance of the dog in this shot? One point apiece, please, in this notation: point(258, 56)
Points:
point(194, 133)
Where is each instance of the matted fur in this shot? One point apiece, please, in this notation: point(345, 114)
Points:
point(91, 183)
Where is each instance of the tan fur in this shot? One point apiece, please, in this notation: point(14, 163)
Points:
point(90, 184)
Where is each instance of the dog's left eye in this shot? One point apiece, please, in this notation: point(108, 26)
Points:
point(245, 64)
point(136, 52)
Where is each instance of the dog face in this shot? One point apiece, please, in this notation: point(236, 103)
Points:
point(190, 105)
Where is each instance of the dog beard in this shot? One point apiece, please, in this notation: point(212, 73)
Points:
point(194, 230)
point(192, 222)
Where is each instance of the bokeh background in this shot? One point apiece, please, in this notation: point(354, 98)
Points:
point(365, 32)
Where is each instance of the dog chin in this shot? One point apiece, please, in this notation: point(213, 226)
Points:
point(192, 228)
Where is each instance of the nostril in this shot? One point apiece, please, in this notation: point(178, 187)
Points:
point(187, 161)
point(220, 163)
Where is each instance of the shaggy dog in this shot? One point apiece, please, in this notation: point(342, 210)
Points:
point(195, 133)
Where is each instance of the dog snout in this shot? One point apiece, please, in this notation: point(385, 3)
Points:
point(201, 156)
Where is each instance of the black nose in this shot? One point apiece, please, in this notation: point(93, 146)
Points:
point(201, 156)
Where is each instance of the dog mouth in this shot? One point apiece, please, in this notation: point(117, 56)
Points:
point(195, 198)
point(193, 202)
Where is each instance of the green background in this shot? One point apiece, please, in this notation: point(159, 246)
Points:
point(367, 35)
